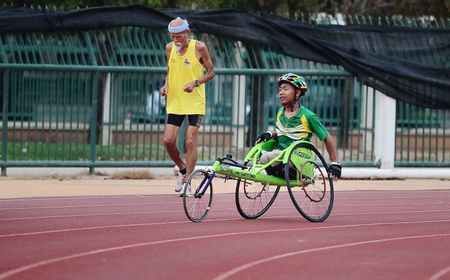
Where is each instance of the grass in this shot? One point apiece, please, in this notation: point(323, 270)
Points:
point(42, 151)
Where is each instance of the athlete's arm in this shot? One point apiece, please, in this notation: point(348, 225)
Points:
point(335, 167)
point(163, 90)
point(203, 56)
point(329, 145)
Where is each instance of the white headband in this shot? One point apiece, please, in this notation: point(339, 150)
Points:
point(180, 28)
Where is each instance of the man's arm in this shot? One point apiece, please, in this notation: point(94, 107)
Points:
point(205, 60)
point(202, 54)
point(163, 90)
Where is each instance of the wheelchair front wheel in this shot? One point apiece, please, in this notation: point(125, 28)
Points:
point(253, 198)
point(310, 187)
point(197, 195)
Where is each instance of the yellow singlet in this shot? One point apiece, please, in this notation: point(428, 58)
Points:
point(184, 69)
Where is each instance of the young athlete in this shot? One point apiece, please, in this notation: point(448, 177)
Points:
point(295, 122)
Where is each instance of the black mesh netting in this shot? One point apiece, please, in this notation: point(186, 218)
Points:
point(409, 64)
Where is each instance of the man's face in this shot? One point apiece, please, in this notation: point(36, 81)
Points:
point(179, 39)
point(286, 93)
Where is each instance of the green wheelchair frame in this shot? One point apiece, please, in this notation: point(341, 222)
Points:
point(310, 188)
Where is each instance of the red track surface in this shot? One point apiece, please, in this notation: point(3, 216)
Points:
point(369, 235)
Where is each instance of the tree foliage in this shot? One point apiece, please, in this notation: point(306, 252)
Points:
point(286, 8)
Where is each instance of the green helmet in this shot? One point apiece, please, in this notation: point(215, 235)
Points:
point(296, 80)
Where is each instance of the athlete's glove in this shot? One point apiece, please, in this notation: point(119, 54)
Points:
point(264, 136)
point(335, 169)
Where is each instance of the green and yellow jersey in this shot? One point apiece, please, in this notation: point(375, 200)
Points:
point(299, 127)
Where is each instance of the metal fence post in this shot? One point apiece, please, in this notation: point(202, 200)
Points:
point(4, 122)
point(93, 129)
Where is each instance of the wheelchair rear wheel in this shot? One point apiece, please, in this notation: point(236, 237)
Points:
point(253, 198)
point(310, 187)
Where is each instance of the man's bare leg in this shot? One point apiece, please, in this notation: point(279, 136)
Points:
point(191, 149)
point(170, 141)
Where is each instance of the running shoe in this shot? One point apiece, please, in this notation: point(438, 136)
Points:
point(179, 185)
point(188, 192)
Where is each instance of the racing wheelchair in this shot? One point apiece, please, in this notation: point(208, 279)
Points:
point(300, 167)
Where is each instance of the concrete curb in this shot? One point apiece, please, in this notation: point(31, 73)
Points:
point(347, 172)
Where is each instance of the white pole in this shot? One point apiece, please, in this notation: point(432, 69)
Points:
point(106, 138)
point(238, 110)
point(384, 146)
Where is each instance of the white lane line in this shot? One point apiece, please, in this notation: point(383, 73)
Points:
point(392, 204)
point(438, 275)
point(390, 212)
point(345, 245)
point(110, 249)
point(89, 205)
point(363, 192)
point(149, 224)
point(137, 196)
point(91, 215)
point(215, 202)
point(220, 209)
point(338, 193)
point(385, 198)
point(104, 205)
point(97, 227)
point(45, 199)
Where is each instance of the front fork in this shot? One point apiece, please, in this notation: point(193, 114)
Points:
point(205, 184)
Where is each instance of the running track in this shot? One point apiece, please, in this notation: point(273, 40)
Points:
point(369, 235)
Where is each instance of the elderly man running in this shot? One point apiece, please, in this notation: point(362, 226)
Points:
point(189, 67)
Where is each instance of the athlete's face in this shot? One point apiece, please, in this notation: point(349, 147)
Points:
point(180, 39)
point(286, 93)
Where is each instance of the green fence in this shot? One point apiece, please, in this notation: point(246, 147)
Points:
point(90, 99)
point(422, 136)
